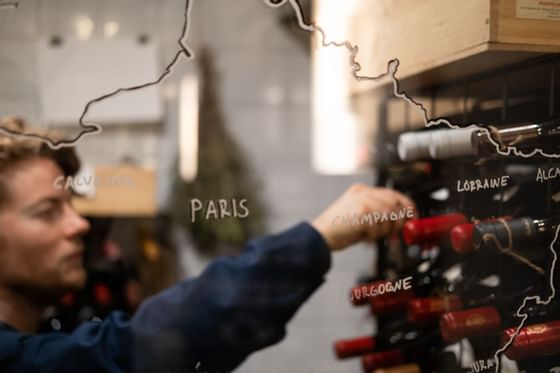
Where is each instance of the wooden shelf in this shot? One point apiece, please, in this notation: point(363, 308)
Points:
point(120, 191)
point(439, 40)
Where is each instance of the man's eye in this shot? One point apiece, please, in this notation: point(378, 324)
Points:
point(49, 213)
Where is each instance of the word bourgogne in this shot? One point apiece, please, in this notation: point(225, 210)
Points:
point(370, 291)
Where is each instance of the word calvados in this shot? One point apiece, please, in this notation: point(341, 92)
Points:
point(381, 288)
point(219, 209)
point(76, 182)
point(374, 217)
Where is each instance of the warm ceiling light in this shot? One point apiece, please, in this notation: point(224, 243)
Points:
point(334, 125)
point(188, 128)
point(111, 29)
point(84, 27)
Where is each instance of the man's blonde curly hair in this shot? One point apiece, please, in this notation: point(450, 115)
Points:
point(14, 149)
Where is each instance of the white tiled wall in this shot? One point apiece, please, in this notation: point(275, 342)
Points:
point(264, 88)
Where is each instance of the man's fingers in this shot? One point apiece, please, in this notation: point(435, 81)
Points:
point(390, 207)
point(393, 197)
point(380, 210)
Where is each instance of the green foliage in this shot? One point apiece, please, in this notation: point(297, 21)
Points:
point(222, 174)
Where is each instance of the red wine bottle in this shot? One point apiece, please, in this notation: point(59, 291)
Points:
point(418, 350)
point(462, 235)
point(533, 341)
point(426, 311)
point(390, 337)
point(431, 230)
point(488, 320)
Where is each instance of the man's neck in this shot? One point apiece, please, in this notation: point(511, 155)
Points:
point(20, 311)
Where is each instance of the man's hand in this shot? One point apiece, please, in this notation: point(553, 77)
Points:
point(344, 222)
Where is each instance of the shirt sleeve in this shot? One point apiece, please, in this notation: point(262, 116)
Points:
point(93, 347)
point(207, 324)
point(236, 306)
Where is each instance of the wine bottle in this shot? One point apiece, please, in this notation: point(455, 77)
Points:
point(409, 175)
point(387, 297)
point(462, 235)
point(426, 311)
point(395, 281)
point(430, 230)
point(533, 341)
point(445, 362)
point(412, 146)
point(522, 135)
point(524, 239)
point(473, 141)
point(417, 350)
point(392, 337)
point(462, 238)
point(468, 293)
point(406, 368)
point(361, 294)
point(487, 321)
point(346, 348)
point(540, 364)
point(514, 234)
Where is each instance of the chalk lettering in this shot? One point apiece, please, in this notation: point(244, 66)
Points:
point(243, 205)
point(544, 175)
point(411, 211)
point(211, 210)
point(58, 182)
point(481, 184)
point(196, 205)
point(407, 283)
point(223, 208)
point(367, 218)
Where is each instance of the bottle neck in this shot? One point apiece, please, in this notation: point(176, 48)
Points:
point(517, 135)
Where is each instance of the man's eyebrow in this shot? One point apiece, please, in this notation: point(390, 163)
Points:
point(46, 200)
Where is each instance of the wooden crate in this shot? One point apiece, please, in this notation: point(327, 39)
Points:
point(438, 40)
point(120, 191)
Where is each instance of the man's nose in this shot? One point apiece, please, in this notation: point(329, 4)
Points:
point(77, 225)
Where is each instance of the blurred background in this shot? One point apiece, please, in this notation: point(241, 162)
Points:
point(239, 115)
point(276, 121)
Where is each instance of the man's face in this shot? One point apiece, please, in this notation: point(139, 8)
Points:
point(40, 233)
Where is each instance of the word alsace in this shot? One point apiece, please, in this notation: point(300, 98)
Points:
point(374, 217)
point(380, 288)
point(76, 182)
point(481, 184)
point(219, 209)
point(544, 175)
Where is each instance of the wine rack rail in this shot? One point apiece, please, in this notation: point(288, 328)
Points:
point(494, 247)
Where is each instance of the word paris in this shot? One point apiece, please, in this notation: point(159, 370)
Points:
point(374, 217)
point(480, 184)
point(381, 288)
point(219, 209)
point(79, 182)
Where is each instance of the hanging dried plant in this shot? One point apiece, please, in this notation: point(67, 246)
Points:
point(222, 174)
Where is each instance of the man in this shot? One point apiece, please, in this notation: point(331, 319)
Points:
point(211, 323)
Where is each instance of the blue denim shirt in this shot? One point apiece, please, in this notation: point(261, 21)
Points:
point(211, 323)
